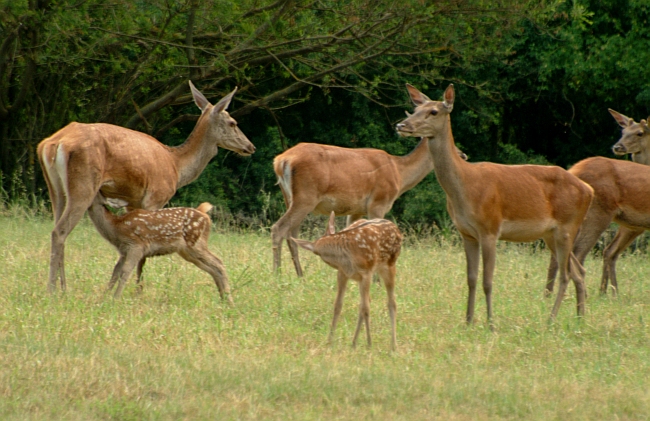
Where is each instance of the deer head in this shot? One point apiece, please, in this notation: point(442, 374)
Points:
point(222, 126)
point(426, 120)
point(635, 137)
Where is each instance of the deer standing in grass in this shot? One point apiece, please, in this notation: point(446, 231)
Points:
point(354, 182)
point(140, 233)
point(621, 195)
point(81, 160)
point(489, 202)
point(356, 252)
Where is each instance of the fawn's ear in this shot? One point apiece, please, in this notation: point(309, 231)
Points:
point(307, 245)
point(331, 225)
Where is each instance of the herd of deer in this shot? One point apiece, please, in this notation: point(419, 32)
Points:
point(89, 166)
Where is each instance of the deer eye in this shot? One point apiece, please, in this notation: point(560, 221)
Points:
point(640, 134)
point(434, 112)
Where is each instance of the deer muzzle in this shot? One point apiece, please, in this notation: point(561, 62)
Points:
point(403, 128)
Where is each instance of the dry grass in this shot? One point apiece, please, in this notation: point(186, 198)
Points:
point(177, 352)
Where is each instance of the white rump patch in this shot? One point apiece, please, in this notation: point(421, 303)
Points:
point(285, 180)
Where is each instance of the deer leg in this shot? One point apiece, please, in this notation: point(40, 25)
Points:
point(138, 273)
point(472, 257)
point(341, 284)
point(624, 237)
point(595, 223)
point(364, 308)
point(280, 230)
point(66, 223)
point(562, 249)
point(116, 273)
point(488, 251)
point(122, 270)
point(551, 273)
point(388, 275)
point(577, 272)
point(293, 249)
point(202, 258)
point(350, 219)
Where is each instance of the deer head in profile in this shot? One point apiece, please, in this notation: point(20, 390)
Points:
point(357, 252)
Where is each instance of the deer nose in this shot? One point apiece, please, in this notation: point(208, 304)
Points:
point(619, 149)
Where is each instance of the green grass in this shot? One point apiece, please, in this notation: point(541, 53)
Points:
point(177, 352)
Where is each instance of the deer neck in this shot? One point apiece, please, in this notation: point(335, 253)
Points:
point(194, 155)
point(104, 221)
point(448, 166)
point(641, 157)
point(414, 166)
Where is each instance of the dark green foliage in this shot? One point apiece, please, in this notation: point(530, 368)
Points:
point(533, 81)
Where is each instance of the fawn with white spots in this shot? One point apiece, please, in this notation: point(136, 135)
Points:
point(358, 251)
point(139, 234)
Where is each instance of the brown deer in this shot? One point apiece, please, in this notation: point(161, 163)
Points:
point(81, 160)
point(620, 195)
point(355, 182)
point(140, 233)
point(356, 252)
point(489, 202)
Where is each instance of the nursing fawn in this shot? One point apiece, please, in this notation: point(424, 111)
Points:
point(358, 251)
point(139, 234)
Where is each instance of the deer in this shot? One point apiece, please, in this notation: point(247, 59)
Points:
point(620, 195)
point(81, 160)
point(320, 179)
point(489, 202)
point(140, 233)
point(357, 252)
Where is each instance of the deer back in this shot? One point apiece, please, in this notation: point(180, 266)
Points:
point(159, 232)
point(361, 246)
point(126, 162)
point(620, 186)
point(335, 178)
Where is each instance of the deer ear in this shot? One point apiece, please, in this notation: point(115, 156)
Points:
point(331, 225)
point(224, 102)
point(304, 244)
point(622, 120)
point(199, 99)
point(417, 97)
point(449, 97)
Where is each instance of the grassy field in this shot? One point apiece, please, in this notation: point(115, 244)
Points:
point(176, 352)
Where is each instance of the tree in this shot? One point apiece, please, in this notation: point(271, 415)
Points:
point(127, 63)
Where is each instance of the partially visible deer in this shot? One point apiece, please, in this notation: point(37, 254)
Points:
point(356, 252)
point(489, 202)
point(81, 160)
point(620, 195)
point(635, 138)
point(140, 233)
point(354, 182)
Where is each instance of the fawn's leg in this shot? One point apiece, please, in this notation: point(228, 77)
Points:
point(341, 284)
point(388, 275)
point(364, 308)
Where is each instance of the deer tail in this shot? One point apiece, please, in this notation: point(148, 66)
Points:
point(204, 207)
point(282, 169)
point(54, 162)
